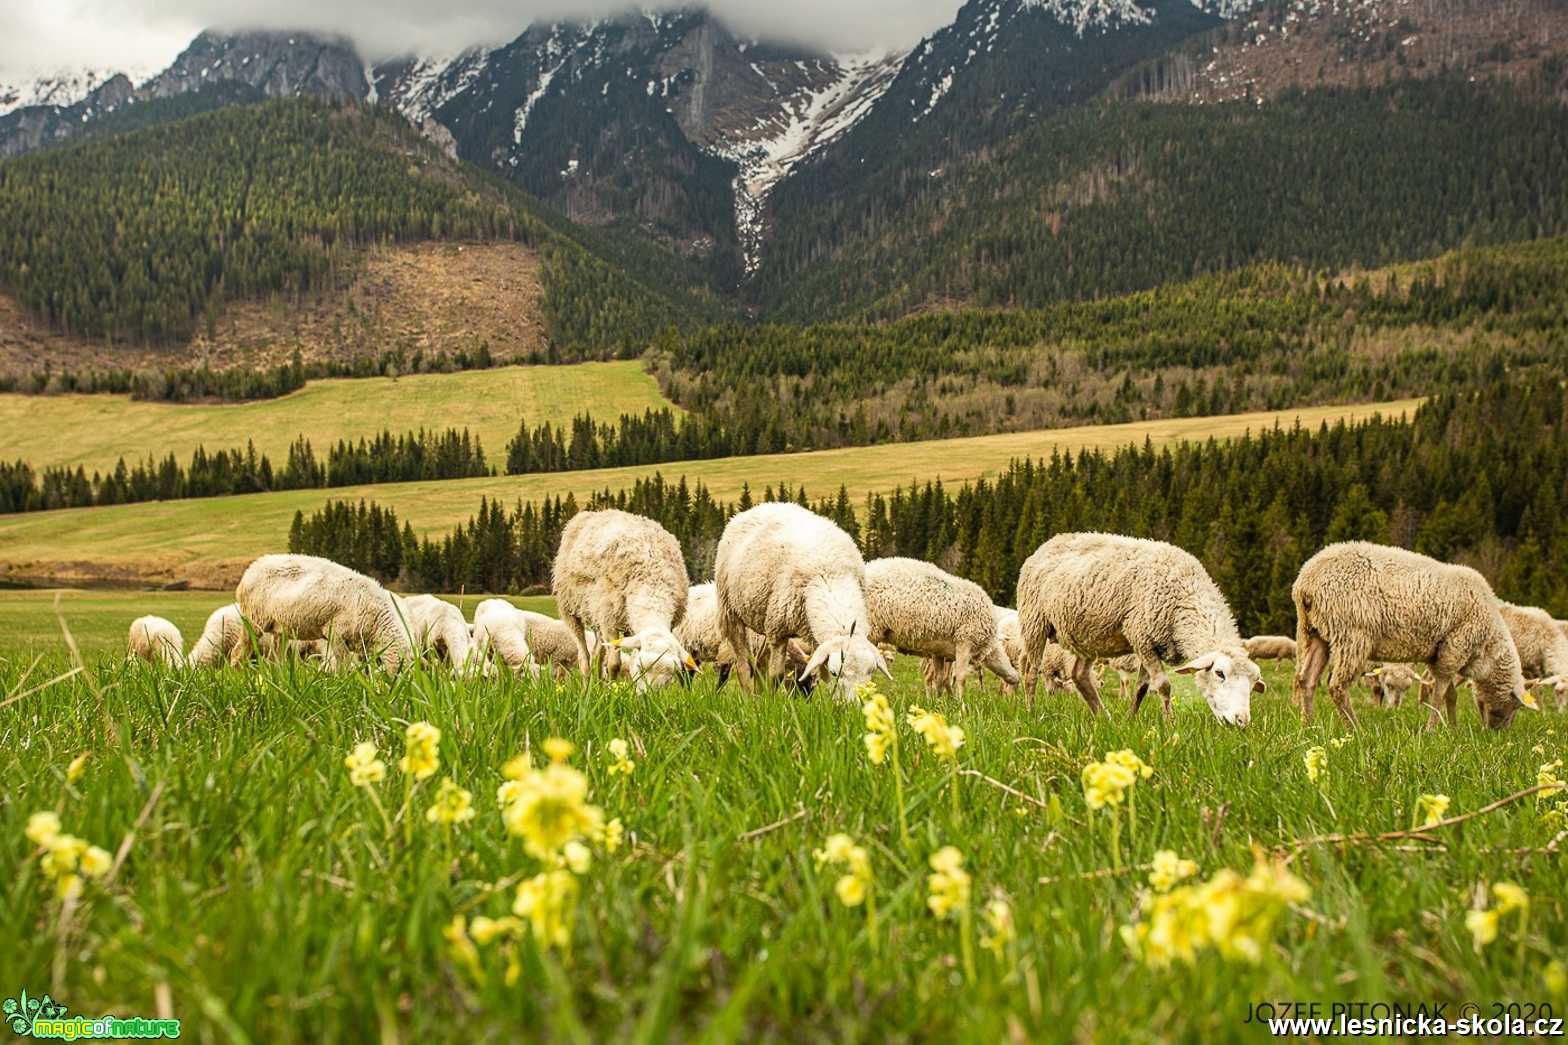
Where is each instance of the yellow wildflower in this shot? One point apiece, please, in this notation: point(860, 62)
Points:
point(1431, 809)
point(612, 835)
point(548, 808)
point(835, 850)
point(1482, 926)
point(1555, 976)
point(1233, 915)
point(43, 827)
point(421, 751)
point(577, 857)
point(486, 931)
point(1549, 782)
point(1338, 742)
point(62, 853)
point(517, 767)
point(1510, 897)
point(852, 887)
point(943, 739)
point(1130, 761)
point(558, 749)
point(1316, 761)
point(620, 764)
point(453, 804)
point(949, 886)
point(1106, 783)
point(462, 946)
point(78, 766)
point(548, 901)
point(880, 724)
point(1169, 869)
point(1001, 931)
point(95, 862)
point(364, 768)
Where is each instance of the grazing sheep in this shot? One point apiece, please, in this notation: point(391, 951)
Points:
point(785, 572)
point(228, 638)
point(552, 644)
point(501, 630)
point(699, 633)
point(1126, 669)
point(437, 626)
point(1104, 595)
point(1356, 601)
point(1543, 648)
point(305, 597)
point(1270, 647)
point(1391, 682)
point(1055, 667)
point(624, 575)
point(157, 641)
point(923, 610)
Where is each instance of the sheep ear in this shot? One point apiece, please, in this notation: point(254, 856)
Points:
point(628, 642)
point(690, 662)
point(815, 663)
point(1258, 687)
point(883, 668)
point(1203, 663)
point(1529, 701)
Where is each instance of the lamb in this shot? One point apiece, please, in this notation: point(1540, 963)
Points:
point(157, 641)
point(923, 610)
point(785, 572)
point(1390, 682)
point(228, 638)
point(551, 643)
point(624, 575)
point(305, 597)
point(1055, 664)
point(1542, 646)
point(436, 625)
point(1357, 600)
point(1104, 595)
point(1270, 647)
point(500, 630)
point(699, 633)
point(1126, 669)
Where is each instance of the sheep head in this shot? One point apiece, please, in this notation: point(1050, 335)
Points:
point(657, 657)
point(850, 661)
point(1227, 679)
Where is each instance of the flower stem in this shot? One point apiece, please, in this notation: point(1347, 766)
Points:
point(952, 784)
point(966, 943)
point(898, 797)
point(871, 918)
point(1116, 840)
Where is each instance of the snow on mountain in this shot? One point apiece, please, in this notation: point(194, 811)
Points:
point(59, 89)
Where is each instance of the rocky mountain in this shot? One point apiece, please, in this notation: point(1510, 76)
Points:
point(279, 65)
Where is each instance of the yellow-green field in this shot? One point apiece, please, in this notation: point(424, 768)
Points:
point(208, 542)
point(95, 431)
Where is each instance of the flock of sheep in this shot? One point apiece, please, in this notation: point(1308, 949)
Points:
point(793, 601)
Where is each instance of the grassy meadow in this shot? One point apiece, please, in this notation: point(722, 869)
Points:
point(257, 894)
point(208, 541)
point(95, 431)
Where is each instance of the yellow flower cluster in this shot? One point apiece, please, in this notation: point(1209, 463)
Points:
point(421, 751)
point(1234, 915)
point(364, 768)
point(453, 804)
point(1431, 809)
point(949, 885)
point(619, 763)
point(1106, 783)
point(548, 901)
point(66, 859)
point(1316, 761)
point(1169, 869)
point(1483, 923)
point(841, 851)
point(1000, 929)
point(1547, 779)
point(881, 727)
point(611, 836)
point(548, 807)
point(78, 766)
point(944, 739)
point(1130, 761)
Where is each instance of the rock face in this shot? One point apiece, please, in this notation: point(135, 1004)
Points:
point(280, 65)
point(35, 127)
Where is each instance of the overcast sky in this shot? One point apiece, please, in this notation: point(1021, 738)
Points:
point(42, 36)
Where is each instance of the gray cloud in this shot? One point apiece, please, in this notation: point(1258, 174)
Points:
point(43, 35)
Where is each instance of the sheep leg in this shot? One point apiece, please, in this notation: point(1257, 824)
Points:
point(1309, 669)
point(1151, 675)
point(1346, 662)
point(959, 676)
point(1083, 678)
point(580, 637)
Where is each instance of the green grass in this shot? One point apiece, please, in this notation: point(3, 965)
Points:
point(210, 540)
point(95, 431)
point(263, 898)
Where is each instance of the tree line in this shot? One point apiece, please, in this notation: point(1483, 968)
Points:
point(1478, 477)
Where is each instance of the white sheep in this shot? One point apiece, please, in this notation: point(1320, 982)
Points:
point(227, 638)
point(1542, 646)
point(1391, 682)
point(1270, 647)
point(551, 643)
point(624, 576)
point(156, 640)
point(436, 625)
point(306, 597)
point(1105, 595)
point(920, 609)
point(785, 572)
point(1357, 601)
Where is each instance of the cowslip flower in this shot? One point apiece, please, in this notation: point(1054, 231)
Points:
point(1128, 760)
point(576, 857)
point(1316, 761)
point(1169, 869)
point(462, 945)
point(881, 727)
point(66, 859)
point(548, 902)
point(486, 931)
point(1000, 930)
point(421, 751)
point(949, 885)
point(1233, 915)
point(611, 835)
point(619, 763)
point(1510, 897)
point(1430, 809)
point(1548, 781)
point(453, 804)
point(42, 827)
point(944, 739)
point(78, 766)
point(549, 807)
point(1483, 926)
point(1106, 783)
point(364, 768)
point(853, 886)
point(558, 749)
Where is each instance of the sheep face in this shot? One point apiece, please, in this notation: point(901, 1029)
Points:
point(1227, 681)
point(657, 658)
point(1558, 684)
point(850, 661)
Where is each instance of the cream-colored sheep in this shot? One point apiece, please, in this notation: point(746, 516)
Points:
point(1126, 670)
point(1542, 646)
point(785, 572)
point(699, 633)
point(624, 576)
point(228, 638)
point(1104, 595)
point(1270, 647)
point(551, 643)
point(1357, 601)
point(156, 640)
point(436, 626)
point(306, 597)
point(1390, 683)
point(923, 610)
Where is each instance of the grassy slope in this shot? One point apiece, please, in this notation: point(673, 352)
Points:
point(210, 540)
point(96, 430)
point(262, 897)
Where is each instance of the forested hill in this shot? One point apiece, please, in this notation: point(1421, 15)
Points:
point(143, 237)
point(1116, 196)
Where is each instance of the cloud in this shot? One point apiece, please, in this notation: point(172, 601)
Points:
point(44, 35)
